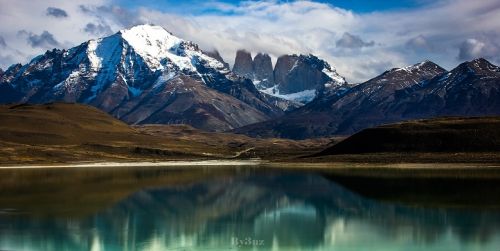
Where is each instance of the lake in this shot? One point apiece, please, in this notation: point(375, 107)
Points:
point(242, 208)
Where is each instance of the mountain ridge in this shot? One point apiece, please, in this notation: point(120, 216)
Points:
point(121, 72)
point(395, 95)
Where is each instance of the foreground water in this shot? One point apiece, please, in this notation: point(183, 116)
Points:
point(240, 208)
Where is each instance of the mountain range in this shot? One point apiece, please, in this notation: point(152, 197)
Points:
point(423, 90)
point(143, 75)
point(146, 75)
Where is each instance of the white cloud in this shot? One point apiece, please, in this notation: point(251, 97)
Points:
point(56, 12)
point(31, 16)
point(45, 40)
point(475, 48)
point(471, 48)
point(419, 43)
point(353, 42)
point(277, 27)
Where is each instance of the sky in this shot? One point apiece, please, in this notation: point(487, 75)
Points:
point(361, 39)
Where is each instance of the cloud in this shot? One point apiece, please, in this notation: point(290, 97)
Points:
point(471, 48)
point(419, 43)
point(45, 40)
point(2, 42)
point(352, 42)
point(474, 48)
point(56, 12)
point(113, 13)
point(22, 15)
point(403, 37)
point(98, 29)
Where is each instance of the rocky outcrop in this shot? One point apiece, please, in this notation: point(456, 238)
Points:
point(298, 78)
point(283, 66)
point(263, 74)
point(215, 54)
point(296, 73)
point(243, 64)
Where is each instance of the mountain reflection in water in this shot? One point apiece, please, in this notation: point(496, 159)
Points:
point(262, 210)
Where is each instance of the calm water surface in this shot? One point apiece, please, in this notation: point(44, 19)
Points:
point(221, 209)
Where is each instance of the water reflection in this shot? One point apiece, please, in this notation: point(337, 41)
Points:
point(254, 211)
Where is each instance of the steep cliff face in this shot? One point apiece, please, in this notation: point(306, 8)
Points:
point(283, 66)
point(243, 64)
point(263, 74)
point(295, 73)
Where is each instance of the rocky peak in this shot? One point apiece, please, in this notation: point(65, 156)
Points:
point(14, 68)
point(400, 78)
point(478, 66)
point(243, 64)
point(393, 82)
point(215, 54)
point(263, 70)
point(465, 74)
point(283, 66)
point(153, 43)
point(423, 68)
point(295, 73)
point(9, 74)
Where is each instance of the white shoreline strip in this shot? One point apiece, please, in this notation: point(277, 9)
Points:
point(144, 164)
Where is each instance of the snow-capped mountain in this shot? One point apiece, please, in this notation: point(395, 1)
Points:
point(423, 90)
point(472, 89)
point(298, 78)
point(142, 75)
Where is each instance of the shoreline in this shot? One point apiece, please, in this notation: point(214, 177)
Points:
point(341, 168)
point(173, 163)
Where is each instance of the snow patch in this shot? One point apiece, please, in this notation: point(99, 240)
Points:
point(164, 78)
point(160, 49)
point(153, 44)
point(414, 67)
point(302, 97)
point(334, 76)
point(95, 61)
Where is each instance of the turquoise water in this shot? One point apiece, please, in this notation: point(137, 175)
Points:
point(244, 210)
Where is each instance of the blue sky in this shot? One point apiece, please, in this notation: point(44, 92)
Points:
point(361, 39)
point(374, 5)
point(197, 6)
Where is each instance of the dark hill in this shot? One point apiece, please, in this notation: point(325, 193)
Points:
point(451, 134)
